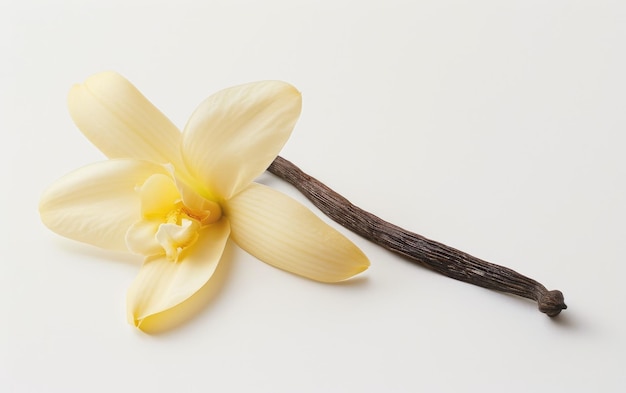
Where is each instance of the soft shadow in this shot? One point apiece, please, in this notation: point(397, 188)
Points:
point(197, 304)
point(269, 180)
point(100, 254)
point(360, 281)
point(566, 320)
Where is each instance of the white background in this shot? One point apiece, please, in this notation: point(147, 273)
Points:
point(496, 127)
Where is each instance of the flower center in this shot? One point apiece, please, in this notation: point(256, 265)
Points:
point(178, 232)
point(167, 226)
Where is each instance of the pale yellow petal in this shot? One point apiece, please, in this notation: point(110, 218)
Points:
point(163, 284)
point(236, 133)
point(159, 196)
point(282, 232)
point(141, 238)
point(121, 122)
point(97, 203)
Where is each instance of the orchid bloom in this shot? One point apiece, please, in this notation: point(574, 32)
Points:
point(176, 198)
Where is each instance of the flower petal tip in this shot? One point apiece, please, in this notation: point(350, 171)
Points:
point(105, 77)
point(359, 265)
point(366, 264)
point(136, 322)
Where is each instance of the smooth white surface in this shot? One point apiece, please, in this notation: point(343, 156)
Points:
point(495, 127)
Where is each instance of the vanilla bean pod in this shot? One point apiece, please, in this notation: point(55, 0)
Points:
point(418, 249)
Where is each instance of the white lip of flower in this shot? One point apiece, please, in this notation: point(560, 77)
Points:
point(176, 198)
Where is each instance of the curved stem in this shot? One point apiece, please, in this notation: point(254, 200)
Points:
point(418, 249)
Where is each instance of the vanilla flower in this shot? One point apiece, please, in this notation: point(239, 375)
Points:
point(176, 198)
